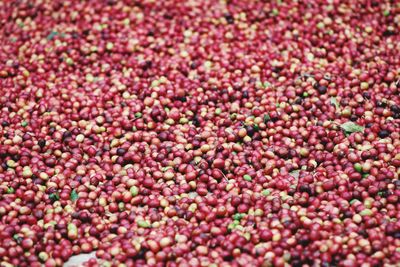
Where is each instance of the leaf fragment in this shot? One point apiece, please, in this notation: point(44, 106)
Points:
point(74, 195)
point(351, 127)
point(334, 102)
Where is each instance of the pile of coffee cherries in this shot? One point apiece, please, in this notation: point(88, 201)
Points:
point(200, 132)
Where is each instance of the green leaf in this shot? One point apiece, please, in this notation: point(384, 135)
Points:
point(52, 35)
point(295, 173)
point(74, 195)
point(267, 118)
point(54, 197)
point(238, 216)
point(17, 238)
point(351, 127)
point(334, 102)
point(267, 84)
point(10, 190)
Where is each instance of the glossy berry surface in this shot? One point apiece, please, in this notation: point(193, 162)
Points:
point(200, 133)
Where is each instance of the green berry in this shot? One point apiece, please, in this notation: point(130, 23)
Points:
point(134, 191)
point(247, 177)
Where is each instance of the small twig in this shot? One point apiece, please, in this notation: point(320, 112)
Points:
point(305, 75)
point(226, 179)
